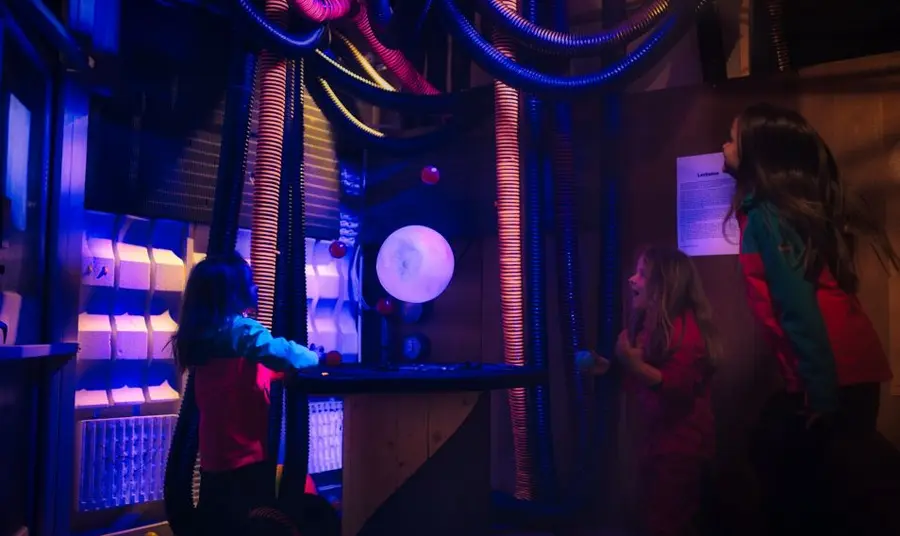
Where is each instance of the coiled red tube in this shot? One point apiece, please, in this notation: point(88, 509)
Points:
point(323, 10)
point(394, 60)
point(267, 176)
point(509, 220)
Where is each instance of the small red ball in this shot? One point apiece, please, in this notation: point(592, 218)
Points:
point(385, 306)
point(430, 175)
point(337, 249)
point(333, 358)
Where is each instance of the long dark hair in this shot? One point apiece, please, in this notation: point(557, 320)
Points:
point(784, 161)
point(218, 289)
point(673, 289)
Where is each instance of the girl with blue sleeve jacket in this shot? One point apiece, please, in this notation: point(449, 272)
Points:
point(799, 233)
point(234, 360)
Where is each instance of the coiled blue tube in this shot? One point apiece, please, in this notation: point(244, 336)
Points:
point(571, 321)
point(533, 158)
point(556, 41)
point(178, 485)
point(296, 437)
point(669, 31)
point(273, 37)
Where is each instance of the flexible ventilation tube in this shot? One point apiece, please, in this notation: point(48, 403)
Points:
point(568, 290)
point(775, 10)
point(296, 450)
point(267, 183)
point(394, 60)
point(669, 31)
point(509, 220)
point(342, 118)
point(364, 64)
point(323, 10)
point(182, 458)
point(274, 37)
point(477, 100)
point(534, 172)
point(549, 41)
point(179, 482)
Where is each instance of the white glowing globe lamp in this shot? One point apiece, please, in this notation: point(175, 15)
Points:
point(415, 264)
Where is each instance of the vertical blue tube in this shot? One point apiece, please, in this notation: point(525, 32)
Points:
point(296, 403)
point(611, 260)
point(571, 322)
point(534, 155)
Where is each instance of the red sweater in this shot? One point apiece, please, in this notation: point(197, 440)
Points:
point(677, 414)
point(233, 392)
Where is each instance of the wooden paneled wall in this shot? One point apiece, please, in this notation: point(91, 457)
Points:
point(856, 107)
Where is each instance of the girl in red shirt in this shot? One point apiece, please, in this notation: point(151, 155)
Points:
point(668, 355)
point(233, 359)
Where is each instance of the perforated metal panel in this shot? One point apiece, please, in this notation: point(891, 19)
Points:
point(122, 461)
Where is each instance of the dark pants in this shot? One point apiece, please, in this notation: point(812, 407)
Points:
point(671, 494)
point(832, 479)
point(228, 497)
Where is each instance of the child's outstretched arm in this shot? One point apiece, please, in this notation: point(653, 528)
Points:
point(253, 341)
point(794, 301)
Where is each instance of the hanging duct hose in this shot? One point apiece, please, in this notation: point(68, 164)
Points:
point(286, 44)
point(182, 458)
point(477, 100)
point(394, 60)
point(296, 450)
point(775, 10)
point(506, 128)
point(323, 10)
point(536, 290)
point(669, 32)
point(266, 186)
point(571, 322)
point(341, 118)
point(559, 42)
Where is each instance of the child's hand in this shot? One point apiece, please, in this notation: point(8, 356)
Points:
point(630, 356)
point(588, 361)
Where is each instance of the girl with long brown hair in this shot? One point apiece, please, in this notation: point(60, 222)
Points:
point(800, 231)
point(668, 354)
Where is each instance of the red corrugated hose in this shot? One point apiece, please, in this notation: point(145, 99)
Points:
point(323, 10)
point(267, 174)
point(509, 221)
point(394, 60)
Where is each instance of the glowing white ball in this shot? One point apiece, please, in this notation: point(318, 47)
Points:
point(415, 264)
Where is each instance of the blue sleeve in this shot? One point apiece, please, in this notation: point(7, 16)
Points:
point(796, 307)
point(251, 340)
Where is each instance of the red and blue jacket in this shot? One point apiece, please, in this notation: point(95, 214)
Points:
point(232, 391)
point(820, 334)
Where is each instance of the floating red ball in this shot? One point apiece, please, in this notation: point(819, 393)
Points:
point(430, 175)
point(337, 249)
point(385, 306)
point(333, 358)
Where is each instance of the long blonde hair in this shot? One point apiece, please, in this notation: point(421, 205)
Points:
point(673, 288)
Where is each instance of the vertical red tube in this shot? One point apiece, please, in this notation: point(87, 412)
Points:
point(509, 221)
point(267, 175)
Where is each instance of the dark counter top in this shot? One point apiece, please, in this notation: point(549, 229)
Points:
point(37, 351)
point(425, 378)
